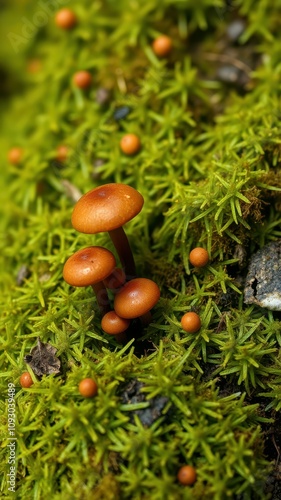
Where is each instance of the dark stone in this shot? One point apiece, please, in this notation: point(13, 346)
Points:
point(121, 113)
point(132, 394)
point(42, 359)
point(229, 74)
point(263, 281)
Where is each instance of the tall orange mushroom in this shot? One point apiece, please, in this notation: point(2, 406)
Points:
point(89, 267)
point(108, 208)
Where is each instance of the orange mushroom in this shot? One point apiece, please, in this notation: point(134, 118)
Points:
point(65, 19)
point(162, 46)
point(82, 79)
point(89, 267)
point(191, 322)
point(130, 144)
point(107, 208)
point(187, 475)
point(88, 388)
point(199, 257)
point(15, 155)
point(112, 324)
point(136, 298)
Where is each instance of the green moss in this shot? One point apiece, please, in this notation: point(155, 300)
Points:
point(209, 172)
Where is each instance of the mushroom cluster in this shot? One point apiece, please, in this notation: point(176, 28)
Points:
point(106, 209)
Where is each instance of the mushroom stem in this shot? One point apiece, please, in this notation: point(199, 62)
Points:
point(102, 297)
point(121, 243)
point(146, 318)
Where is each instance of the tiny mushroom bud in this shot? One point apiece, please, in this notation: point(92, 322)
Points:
point(191, 322)
point(89, 267)
point(112, 324)
point(187, 475)
point(82, 79)
point(130, 144)
point(199, 257)
point(34, 66)
point(136, 298)
point(88, 388)
point(26, 380)
point(15, 155)
point(65, 19)
point(62, 153)
point(162, 46)
point(107, 208)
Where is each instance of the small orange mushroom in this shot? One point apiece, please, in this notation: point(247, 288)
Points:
point(65, 19)
point(112, 324)
point(26, 380)
point(88, 388)
point(136, 298)
point(15, 155)
point(130, 144)
point(82, 79)
point(191, 322)
point(187, 475)
point(62, 153)
point(89, 267)
point(199, 257)
point(108, 208)
point(162, 46)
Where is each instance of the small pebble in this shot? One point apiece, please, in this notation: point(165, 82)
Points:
point(121, 112)
point(235, 29)
point(23, 274)
point(232, 75)
point(102, 96)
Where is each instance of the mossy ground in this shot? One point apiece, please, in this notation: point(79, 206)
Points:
point(209, 170)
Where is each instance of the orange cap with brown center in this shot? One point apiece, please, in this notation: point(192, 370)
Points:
point(106, 208)
point(88, 266)
point(136, 298)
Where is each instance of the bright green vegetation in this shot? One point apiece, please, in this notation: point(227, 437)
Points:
point(209, 172)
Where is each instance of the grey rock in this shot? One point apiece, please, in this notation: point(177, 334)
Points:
point(228, 73)
point(263, 281)
point(235, 29)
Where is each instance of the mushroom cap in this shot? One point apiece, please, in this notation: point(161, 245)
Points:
point(88, 266)
point(136, 298)
point(112, 324)
point(106, 208)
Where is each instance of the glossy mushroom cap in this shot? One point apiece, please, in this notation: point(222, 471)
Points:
point(136, 298)
point(88, 266)
point(106, 208)
point(112, 324)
